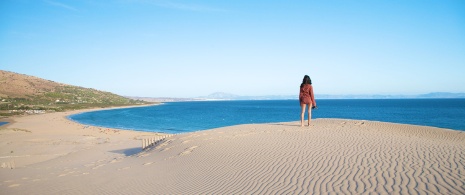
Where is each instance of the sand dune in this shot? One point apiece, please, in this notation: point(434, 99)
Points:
point(331, 156)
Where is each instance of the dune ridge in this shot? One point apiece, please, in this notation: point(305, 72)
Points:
point(331, 156)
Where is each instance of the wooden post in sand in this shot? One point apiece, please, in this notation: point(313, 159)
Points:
point(153, 141)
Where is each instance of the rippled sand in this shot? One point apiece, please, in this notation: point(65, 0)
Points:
point(331, 156)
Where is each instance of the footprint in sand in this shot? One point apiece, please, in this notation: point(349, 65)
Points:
point(188, 150)
point(148, 163)
point(143, 155)
point(68, 173)
point(98, 166)
point(115, 160)
point(124, 168)
point(165, 149)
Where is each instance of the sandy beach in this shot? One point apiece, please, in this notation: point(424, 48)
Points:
point(49, 154)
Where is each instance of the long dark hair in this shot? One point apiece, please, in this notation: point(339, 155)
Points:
point(306, 80)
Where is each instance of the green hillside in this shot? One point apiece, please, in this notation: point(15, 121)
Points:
point(21, 94)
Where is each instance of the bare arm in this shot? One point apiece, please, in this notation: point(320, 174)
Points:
point(312, 96)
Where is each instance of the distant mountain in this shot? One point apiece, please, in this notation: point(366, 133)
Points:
point(442, 95)
point(221, 95)
point(163, 99)
point(420, 96)
point(229, 96)
point(23, 92)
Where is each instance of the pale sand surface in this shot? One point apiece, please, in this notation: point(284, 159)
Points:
point(336, 156)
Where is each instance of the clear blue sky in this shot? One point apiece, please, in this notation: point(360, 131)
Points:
point(164, 48)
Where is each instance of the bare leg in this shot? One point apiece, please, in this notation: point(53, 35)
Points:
point(309, 113)
point(302, 114)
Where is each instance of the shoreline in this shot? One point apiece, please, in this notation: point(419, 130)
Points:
point(409, 112)
point(422, 125)
point(55, 127)
point(454, 123)
point(331, 156)
point(112, 108)
point(8, 121)
point(11, 119)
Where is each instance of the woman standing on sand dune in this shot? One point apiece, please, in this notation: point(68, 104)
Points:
point(306, 97)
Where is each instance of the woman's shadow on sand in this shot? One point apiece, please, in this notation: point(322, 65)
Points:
point(128, 152)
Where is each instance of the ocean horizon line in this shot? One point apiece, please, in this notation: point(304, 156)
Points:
point(218, 96)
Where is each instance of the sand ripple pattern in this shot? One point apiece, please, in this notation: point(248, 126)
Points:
point(333, 156)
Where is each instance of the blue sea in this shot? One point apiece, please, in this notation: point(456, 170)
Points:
point(180, 117)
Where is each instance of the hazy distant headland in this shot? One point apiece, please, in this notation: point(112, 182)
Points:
point(419, 96)
point(229, 96)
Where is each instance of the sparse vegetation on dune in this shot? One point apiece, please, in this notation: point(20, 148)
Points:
point(21, 93)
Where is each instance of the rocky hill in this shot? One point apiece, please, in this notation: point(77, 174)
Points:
point(19, 92)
